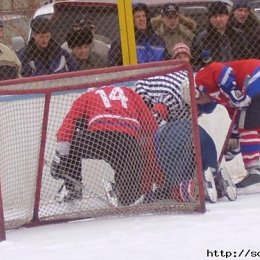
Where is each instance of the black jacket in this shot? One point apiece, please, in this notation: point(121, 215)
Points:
point(231, 45)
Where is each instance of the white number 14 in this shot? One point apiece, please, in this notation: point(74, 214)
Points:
point(117, 94)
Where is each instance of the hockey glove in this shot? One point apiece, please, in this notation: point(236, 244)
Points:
point(58, 166)
point(199, 91)
point(160, 112)
point(238, 100)
point(233, 148)
point(230, 155)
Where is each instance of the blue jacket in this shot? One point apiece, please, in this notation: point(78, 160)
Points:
point(50, 60)
point(149, 47)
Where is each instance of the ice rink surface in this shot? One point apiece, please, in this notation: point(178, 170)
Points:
point(232, 227)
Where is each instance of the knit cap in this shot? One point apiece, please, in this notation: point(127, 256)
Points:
point(217, 8)
point(240, 4)
point(40, 25)
point(180, 48)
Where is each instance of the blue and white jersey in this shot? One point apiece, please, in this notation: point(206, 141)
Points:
point(166, 90)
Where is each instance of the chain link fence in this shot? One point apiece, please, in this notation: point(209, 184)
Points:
point(214, 31)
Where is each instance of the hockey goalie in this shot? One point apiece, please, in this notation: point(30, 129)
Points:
point(168, 97)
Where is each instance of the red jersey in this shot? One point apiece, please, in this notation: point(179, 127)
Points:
point(218, 78)
point(242, 68)
point(117, 109)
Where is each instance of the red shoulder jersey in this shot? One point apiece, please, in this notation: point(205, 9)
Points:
point(217, 73)
point(117, 109)
point(242, 68)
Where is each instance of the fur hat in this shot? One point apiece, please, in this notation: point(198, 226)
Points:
point(77, 38)
point(180, 48)
point(40, 25)
point(216, 8)
point(83, 22)
point(240, 4)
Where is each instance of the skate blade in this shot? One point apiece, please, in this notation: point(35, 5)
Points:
point(252, 189)
point(138, 201)
point(230, 188)
point(111, 197)
point(210, 187)
point(59, 197)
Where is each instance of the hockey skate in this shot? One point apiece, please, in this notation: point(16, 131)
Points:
point(250, 184)
point(62, 192)
point(211, 193)
point(225, 186)
point(73, 195)
point(111, 192)
point(65, 195)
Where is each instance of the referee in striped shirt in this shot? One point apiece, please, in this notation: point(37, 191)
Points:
point(164, 95)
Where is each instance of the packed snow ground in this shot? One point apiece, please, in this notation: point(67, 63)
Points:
point(228, 226)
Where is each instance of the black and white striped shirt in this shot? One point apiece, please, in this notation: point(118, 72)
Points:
point(165, 89)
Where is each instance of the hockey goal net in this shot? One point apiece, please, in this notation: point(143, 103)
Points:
point(31, 113)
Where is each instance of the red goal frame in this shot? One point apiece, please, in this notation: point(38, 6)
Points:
point(46, 85)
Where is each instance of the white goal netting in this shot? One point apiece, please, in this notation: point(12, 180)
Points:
point(111, 169)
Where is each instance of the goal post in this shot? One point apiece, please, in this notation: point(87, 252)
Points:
point(2, 223)
point(31, 112)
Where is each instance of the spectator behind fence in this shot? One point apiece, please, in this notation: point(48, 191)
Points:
point(43, 55)
point(173, 27)
point(98, 46)
point(149, 46)
point(243, 18)
point(219, 41)
point(80, 42)
point(10, 65)
point(181, 51)
point(2, 35)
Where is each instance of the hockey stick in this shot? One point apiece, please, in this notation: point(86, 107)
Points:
point(236, 117)
point(82, 186)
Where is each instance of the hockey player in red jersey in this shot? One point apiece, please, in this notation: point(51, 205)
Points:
point(224, 82)
point(106, 124)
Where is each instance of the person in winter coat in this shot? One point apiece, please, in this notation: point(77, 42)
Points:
point(42, 55)
point(219, 41)
point(10, 65)
point(173, 27)
point(80, 43)
point(243, 18)
point(149, 46)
